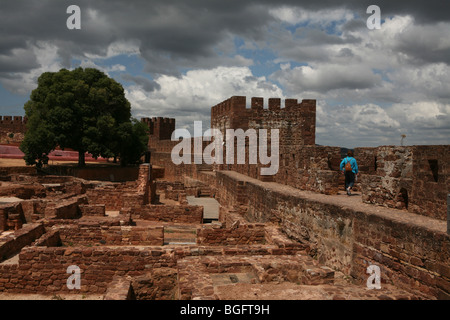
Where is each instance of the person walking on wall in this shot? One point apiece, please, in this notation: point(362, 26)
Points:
point(349, 168)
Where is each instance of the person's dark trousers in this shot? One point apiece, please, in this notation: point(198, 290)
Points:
point(349, 179)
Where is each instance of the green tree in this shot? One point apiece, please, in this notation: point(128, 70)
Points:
point(84, 110)
point(133, 140)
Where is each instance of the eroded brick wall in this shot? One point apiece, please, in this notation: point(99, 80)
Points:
point(166, 213)
point(160, 128)
point(43, 270)
point(302, 164)
point(14, 242)
point(115, 196)
point(415, 178)
point(349, 240)
point(236, 235)
point(12, 129)
point(95, 234)
point(296, 121)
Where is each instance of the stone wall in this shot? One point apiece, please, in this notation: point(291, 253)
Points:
point(95, 234)
point(296, 121)
point(196, 273)
point(158, 284)
point(66, 209)
point(166, 213)
point(236, 235)
point(97, 172)
point(93, 210)
point(348, 240)
point(13, 243)
point(115, 196)
point(160, 128)
point(301, 163)
point(12, 129)
point(43, 270)
point(415, 178)
point(11, 216)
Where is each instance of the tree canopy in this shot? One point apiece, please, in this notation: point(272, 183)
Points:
point(84, 110)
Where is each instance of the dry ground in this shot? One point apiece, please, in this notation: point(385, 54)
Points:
point(12, 296)
point(21, 163)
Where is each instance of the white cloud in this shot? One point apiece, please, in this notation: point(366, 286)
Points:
point(295, 15)
point(124, 47)
point(325, 77)
point(355, 125)
point(86, 63)
point(192, 95)
point(47, 60)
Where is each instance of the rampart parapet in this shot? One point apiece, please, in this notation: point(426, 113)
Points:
point(160, 127)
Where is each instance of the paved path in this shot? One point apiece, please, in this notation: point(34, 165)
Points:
point(210, 206)
point(353, 202)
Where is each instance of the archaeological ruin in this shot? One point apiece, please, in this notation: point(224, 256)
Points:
point(162, 231)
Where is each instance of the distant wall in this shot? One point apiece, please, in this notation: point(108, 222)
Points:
point(12, 129)
point(296, 121)
point(97, 172)
point(302, 164)
point(160, 128)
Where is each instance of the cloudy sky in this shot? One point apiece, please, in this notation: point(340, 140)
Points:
point(179, 58)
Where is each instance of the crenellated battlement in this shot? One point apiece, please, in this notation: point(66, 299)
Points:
point(15, 124)
point(6, 121)
point(155, 120)
point(12, 129)
point(295, 120)
point(238, 104)
point(160, 127)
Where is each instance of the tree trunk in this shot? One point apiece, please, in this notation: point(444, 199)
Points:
point(81, 159)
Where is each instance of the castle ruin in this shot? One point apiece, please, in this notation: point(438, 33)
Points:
point(156, 237)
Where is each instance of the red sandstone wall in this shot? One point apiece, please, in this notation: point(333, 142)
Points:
point(296, 121)
point(166, 213)
point(43, 270)
point(160, 128)
point(115, 196)
point(240, 235)
point(349, 241)
point(431, 181)
point(12, 129)
point(14, 242)
point(114, 199)
point(302, 164)
point(95, 234)
point(415, 178)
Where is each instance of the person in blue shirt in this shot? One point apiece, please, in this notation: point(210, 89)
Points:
point(350, 171)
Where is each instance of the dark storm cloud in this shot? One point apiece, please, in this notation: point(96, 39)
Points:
point(172, 34)
point(146, 84)
point(423, 11)
point(19, 60)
